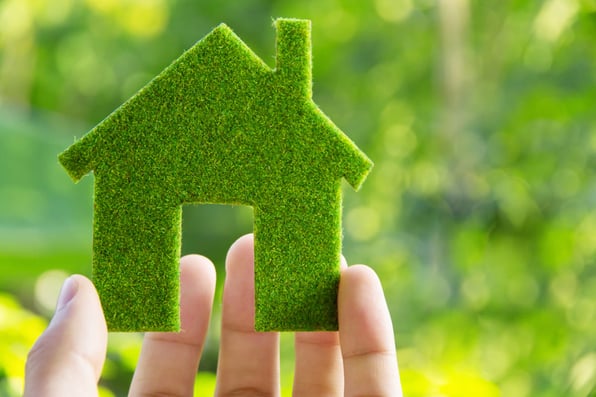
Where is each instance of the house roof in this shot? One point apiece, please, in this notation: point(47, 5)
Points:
point(222, 92)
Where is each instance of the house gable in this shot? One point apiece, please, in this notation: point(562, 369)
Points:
point(217, 66)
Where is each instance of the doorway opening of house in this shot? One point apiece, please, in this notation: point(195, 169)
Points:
point(210, 229)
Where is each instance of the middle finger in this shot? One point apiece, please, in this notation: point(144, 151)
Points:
point(248, 360)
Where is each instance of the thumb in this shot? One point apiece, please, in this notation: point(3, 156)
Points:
point(68, 357)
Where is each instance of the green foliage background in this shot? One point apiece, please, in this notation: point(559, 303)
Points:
point(479, 215)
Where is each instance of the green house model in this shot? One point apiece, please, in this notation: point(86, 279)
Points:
point(220, 126)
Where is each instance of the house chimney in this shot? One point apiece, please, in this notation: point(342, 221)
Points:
point(294, 59)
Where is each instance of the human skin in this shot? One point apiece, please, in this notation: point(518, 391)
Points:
point(359, 360)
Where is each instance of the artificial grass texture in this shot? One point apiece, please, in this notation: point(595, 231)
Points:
point(220, 126)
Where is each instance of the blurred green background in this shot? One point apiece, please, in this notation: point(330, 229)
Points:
point(479, 216)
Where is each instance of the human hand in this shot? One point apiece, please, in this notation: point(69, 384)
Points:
point(358, 360)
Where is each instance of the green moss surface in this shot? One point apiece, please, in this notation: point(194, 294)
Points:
point(220, 126)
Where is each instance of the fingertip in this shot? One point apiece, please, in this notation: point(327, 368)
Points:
point(84, 280)
point(360, 277)
point(86, 287)
point(238, 294)
point(200, 264)
point(343, 263)
point(366, 334)
point(363, 310)
point(79, 292)
point(359, 289)
point(195, 259)
point(241, 251)
point(197, 290)
point(87, 309)
point(72, 347)
point(82, 284)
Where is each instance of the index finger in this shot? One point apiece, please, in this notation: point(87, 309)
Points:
point(168, 362)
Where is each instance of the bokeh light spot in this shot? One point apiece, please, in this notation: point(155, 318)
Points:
point(394, 10)
point(583, 373)
point(475, 290)
point(47, 288)
point(554, 18)
point(16, 19)
point(145, 18)
point(399, 140)
point(522, 290)
point(426, 178)
point(363, 223)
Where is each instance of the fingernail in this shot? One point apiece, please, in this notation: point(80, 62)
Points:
point(68, 291)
